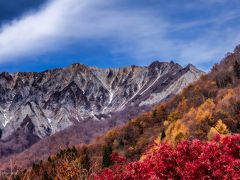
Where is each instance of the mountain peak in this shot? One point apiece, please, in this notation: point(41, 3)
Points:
point(77, 66)
point(157, 63)
point(60, 98)
point(191, 67)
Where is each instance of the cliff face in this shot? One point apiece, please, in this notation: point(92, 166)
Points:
point(56, 99)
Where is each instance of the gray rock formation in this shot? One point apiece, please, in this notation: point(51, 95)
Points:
point(56, 99)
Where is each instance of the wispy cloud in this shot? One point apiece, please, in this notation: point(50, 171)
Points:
point(63, 21)
point(140, 32)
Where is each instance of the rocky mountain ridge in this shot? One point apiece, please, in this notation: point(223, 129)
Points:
point(55, 99)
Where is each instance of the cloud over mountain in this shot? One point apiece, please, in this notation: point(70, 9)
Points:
point(140, 30)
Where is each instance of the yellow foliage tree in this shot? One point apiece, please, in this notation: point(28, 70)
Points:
point(221, 127)
point(67, 169)
point(205, 110)
point(212, 133)
point(182, 106)
point(176, 132)
point(229, 94)
point(152, 150)
point(173, 116)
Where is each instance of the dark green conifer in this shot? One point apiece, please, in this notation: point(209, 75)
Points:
point(106, 161)
point(85, 162)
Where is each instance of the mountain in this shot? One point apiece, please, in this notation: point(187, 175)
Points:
point(154, 139)
point(36, 105)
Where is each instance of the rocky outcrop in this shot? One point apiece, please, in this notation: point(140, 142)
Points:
point(22, 138)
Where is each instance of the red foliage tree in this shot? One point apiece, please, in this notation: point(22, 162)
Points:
point(218, 159)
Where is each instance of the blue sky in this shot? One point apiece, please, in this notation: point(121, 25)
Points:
point(36, 35)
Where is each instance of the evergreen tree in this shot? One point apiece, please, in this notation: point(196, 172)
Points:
point(85, 162)
point(154, 114)
point(74, 152)
point(106, 161)
point(17, 177)
point(45, 175)
point(163, 135)
point(49, 159)
point(36, 167)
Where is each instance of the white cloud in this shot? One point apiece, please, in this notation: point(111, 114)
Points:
point(63, 21)
point(139, 32)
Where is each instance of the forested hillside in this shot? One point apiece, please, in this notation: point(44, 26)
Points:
point(209, 107)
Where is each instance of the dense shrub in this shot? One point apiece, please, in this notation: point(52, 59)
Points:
point(218, 159)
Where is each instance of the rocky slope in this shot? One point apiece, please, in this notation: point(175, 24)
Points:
point(54, 100)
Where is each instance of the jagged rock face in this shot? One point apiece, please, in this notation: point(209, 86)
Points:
point(56, 99)
point(20, 139)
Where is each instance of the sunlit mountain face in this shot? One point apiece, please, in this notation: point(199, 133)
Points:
point(37, 105)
